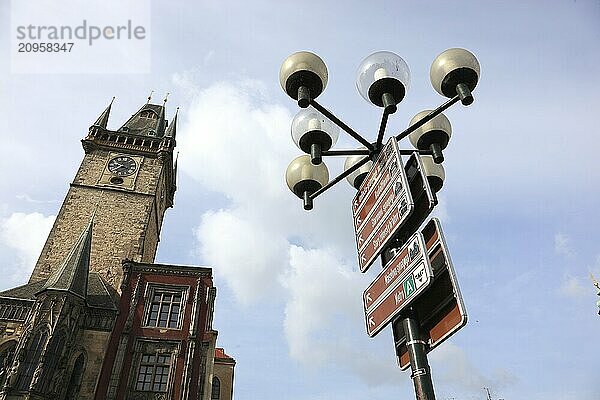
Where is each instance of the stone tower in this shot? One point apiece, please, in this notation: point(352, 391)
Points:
point(98, 319)
point(128, 176)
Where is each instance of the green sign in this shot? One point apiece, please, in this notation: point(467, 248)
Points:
point(409, 286)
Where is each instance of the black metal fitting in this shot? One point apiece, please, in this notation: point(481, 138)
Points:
point(308, 201)
point(389, 104)
point(436, 152)
point(315, 154)
point(464, 93)
point(303, 96)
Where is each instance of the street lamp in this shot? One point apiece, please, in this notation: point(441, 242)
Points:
point(383, 80)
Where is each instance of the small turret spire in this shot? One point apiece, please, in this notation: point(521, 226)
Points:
point(102, 120)
point(72, 275)
point(172, 129)
point(150, 96)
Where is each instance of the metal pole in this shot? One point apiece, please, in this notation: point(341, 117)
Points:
point(420, 371)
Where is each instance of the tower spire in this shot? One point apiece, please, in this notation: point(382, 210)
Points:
point(72, 276)
point(102, 120)
point(150, 96)
point(172, 129)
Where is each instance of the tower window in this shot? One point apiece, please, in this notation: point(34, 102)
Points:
point(153, 374)
point(165, 308)
point(32, 358)
point(52, 357)
point(148, 114)
point(7, 351)
point(76, 377)
point(216, 389)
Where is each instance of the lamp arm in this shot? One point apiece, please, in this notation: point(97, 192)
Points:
point(350, 152)
point(341, 176)
point(341, 124)
point(382, 126)
point(427, 118)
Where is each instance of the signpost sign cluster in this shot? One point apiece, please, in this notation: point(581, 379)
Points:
point(418, 280)
point(441, 310)
point(406, 276)
point(382, 205)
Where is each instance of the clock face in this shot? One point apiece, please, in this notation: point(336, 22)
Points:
point(122, 166)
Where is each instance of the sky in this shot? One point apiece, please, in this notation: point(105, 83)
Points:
point(519, 206)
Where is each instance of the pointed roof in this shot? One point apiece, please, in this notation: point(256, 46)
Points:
point(162, 123)
point(102, 120)
point(172, 128)
point(149, 120)
point(72, 275)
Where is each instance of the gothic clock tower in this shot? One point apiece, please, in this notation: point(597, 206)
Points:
point(98, 319)
point(128, 177)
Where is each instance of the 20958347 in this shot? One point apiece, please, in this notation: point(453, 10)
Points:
point(42, 47)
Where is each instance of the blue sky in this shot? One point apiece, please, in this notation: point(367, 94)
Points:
point(519, 206)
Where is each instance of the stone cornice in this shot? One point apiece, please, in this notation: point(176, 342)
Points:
point(167, 269)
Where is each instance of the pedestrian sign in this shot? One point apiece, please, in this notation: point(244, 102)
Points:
point(409, 286)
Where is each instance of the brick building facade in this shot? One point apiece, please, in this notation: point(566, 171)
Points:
point(98, 319)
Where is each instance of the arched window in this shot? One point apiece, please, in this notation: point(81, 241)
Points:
point(216, 389)
point(32, 358)
point(76, 376)
point(148, 114)
point(7, 351)
point(53, 354)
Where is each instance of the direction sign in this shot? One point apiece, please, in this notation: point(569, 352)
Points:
point(406, 276)
point(424, 198)
point(381, 205)
point(440, 310)
point(388, 155)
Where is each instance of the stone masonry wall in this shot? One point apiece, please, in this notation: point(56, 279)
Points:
point(225, 374)
point(95, 344)
point(123, 226)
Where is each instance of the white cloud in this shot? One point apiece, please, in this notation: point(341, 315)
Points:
point(573, 287)
point(324, 321)
point(320, 290)
point(24, 234)
point(562, 245)
point(246, 256)
point(235, 142)
point(25, 197)
point(453, 367)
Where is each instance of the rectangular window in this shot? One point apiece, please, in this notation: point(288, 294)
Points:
point(153, 375)
point(165, 309)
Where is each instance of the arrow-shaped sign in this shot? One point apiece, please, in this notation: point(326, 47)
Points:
point(368, 298)
point(359, 220)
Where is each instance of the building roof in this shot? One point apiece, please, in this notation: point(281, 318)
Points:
point(222, 357)
point(149, 120)
point(72, 275)
point(102, 120)
point(99, 293)
point(172, 128)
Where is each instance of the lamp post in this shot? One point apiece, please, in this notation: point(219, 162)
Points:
point(383, 80)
